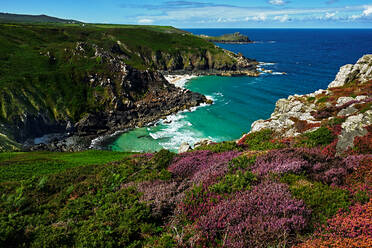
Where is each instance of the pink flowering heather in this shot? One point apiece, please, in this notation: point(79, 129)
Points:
point(202, 166)
point(266, 215)
point(317, 166)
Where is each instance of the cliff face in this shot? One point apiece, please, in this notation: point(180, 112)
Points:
point(346, 102)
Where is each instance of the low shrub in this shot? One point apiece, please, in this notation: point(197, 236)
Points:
point(347, 229)
point(324, 201)
point(220, 147)
point(265, 216)
point(261, 141)
point(320, 137)
point(202, 166)
point(163, 159)
point(234, 182)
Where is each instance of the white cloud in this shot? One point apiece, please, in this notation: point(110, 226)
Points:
point(145, 21)
point(260, 17)
point(330, 15)
point(281, 18)
point(367, 11)
point(277, 2)
point(223, 14)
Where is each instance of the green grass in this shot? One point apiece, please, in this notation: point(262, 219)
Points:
point(21, 166)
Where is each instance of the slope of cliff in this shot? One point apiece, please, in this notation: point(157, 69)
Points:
point(55, 77)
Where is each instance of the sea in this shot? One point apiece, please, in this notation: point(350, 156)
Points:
point(301, 60)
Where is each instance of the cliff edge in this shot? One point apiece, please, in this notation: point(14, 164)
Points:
point(346, 103)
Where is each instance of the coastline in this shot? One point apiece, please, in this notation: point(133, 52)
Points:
point(103, 142)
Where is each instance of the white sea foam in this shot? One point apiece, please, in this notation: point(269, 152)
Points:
point(179, 80)
point(266, 63)
point(95, 142)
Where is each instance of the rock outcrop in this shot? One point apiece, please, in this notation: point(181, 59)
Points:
point(348, 99)
point(361, 71)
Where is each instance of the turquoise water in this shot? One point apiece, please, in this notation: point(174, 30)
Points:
point(311, 59)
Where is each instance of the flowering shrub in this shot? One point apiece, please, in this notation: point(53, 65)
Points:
point(202, 166)
point(346, 229)
point(316, 165)
point(258, 218)
point(363, 145)
point(281, 161)
point(162, 196)
point(359, 183)
point(198, 202)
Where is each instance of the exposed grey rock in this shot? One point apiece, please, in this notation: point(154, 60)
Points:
point(342, 100)
point(203, 142)
point(348, 111)
point(354, 126)
point(185, 147)
point(361, 71)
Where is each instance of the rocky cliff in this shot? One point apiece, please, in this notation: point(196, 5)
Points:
point(346, 103)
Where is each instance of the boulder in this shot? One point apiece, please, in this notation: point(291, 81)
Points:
point(184, 147)
point(354, 126)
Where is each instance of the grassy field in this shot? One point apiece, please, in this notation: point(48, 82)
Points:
point(24, 165)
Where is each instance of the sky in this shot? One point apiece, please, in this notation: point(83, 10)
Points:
point(206, 14)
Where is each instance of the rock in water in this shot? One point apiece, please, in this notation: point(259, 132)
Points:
point(184, 147)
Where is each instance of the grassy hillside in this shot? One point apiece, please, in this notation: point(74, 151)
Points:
point(46, 69)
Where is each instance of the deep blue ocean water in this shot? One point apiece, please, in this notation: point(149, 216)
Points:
point(310, 58)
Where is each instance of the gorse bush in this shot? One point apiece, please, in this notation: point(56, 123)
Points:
point(234, 182)
point(220, 147)
point(324, 201)
point(163, 158)
point(321, 136)
point(261, 140)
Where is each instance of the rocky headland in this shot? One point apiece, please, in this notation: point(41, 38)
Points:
point(345, 104)
point(235, 38)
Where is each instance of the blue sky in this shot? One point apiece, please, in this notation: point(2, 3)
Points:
point(203, 14)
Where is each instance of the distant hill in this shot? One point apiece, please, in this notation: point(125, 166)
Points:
point(6, 17)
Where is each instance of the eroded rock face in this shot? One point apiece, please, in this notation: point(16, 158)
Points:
point(361, 71)
point(354, 126)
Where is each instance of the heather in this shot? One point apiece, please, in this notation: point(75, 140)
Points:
point(264, 216)
point(202, 166)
